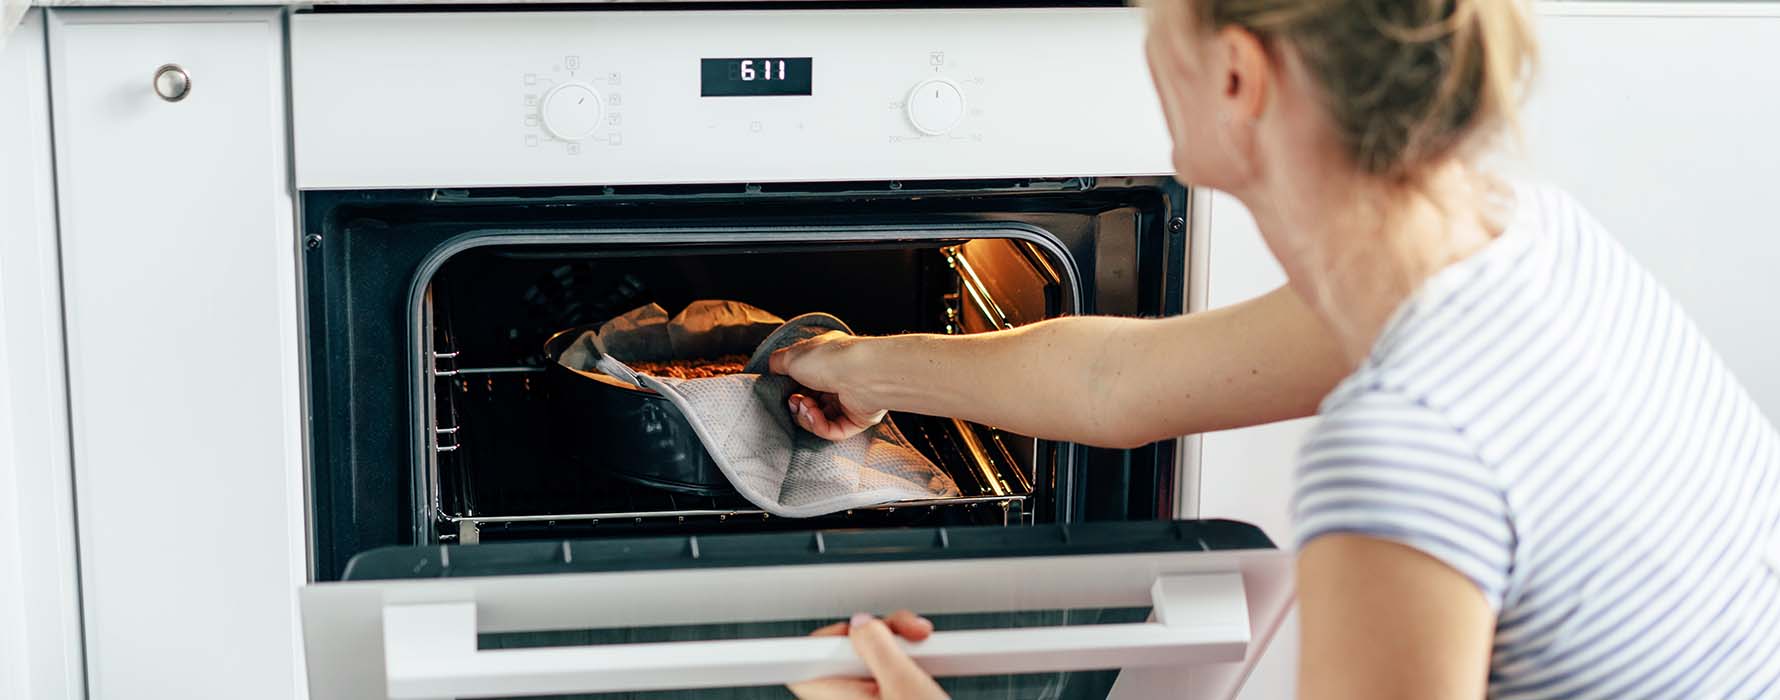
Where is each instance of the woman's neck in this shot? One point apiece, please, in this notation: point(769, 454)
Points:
point(1356, 249)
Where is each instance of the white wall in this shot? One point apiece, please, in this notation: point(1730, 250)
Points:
point(1664, 119)
point(1668, 129)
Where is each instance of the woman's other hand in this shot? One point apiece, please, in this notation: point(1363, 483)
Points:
point(833, 410)
point(894, 675)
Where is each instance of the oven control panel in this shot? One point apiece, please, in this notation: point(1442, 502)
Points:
point(438, 99)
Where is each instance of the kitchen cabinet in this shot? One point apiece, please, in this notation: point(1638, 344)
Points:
point(178, 275)
point(40, 654)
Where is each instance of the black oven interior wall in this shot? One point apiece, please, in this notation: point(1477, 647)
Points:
point(483, 275)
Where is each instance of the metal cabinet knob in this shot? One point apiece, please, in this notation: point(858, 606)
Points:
point(172, 83)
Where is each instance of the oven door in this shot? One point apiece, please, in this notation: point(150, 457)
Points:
point(1127, 610)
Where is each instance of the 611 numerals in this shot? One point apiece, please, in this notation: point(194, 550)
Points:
point(748, 73)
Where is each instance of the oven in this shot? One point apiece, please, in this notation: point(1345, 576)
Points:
point(473, 183)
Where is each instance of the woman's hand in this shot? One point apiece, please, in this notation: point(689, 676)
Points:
point(894, 675)
point(833, 411)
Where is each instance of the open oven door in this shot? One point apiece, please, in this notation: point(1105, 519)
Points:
point(1159, 609)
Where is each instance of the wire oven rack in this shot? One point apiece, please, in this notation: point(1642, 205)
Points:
point(470, 529)
point(467, 504)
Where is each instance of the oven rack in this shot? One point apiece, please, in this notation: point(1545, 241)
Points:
point(468, 529)
point(965, 454)
point(971, 285)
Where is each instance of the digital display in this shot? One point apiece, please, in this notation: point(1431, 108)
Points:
point(754, 77)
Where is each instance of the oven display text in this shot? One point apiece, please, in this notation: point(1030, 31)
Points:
point(753, 77)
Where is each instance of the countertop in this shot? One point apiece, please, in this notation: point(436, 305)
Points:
point(12, 11)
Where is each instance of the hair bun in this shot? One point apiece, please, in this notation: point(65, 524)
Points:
point(1408, 83)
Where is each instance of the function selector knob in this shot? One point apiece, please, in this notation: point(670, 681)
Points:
point(571, 111)
point(936, 106)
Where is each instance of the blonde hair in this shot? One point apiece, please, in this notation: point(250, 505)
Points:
point(1408, 83)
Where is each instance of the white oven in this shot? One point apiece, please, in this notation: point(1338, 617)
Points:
point(471, 182)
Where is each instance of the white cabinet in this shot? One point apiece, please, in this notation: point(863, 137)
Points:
point(178, 273)
point(39, 603)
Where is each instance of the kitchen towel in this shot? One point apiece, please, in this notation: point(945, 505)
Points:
point(745, 424)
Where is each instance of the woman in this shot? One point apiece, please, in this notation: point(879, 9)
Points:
point(1535, 480)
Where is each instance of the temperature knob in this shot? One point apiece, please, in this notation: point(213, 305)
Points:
point(571, 111)
point(936, 106)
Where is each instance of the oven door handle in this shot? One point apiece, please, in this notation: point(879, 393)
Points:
point(430, 650)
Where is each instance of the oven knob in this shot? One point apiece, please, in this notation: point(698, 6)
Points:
point(936, 106)
point(571, 111)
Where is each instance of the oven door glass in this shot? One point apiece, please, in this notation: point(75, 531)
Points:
point(1125, 610)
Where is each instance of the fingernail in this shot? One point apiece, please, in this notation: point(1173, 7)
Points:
point(860, 620)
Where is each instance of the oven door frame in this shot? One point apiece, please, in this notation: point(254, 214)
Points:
point(1158, 221)
point(1213, 613)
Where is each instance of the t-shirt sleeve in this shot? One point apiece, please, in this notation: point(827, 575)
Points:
point(1384, 466)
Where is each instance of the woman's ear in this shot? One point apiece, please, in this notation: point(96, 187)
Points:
point(1247, 75)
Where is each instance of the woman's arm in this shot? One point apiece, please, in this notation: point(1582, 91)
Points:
point(1380, 620)
point(1115, 382)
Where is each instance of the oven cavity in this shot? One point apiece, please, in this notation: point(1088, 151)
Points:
point(502, 458)
point(430, 413)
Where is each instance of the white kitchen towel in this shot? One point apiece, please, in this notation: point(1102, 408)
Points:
point(746, 425)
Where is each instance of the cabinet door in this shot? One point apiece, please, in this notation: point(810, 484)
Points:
point(178, 265)
point(39, 603)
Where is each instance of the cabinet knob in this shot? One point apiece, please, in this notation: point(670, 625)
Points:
point(172, 83)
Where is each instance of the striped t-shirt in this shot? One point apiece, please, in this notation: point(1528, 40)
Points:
point(1545, 420)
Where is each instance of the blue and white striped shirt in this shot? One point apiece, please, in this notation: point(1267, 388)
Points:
point(1545, 420)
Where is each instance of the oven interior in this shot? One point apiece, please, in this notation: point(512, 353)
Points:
point(427, 311)
point(505, 461)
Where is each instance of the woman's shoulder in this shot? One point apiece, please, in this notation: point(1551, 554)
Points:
point(1481, 314)
point(1546, 212)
